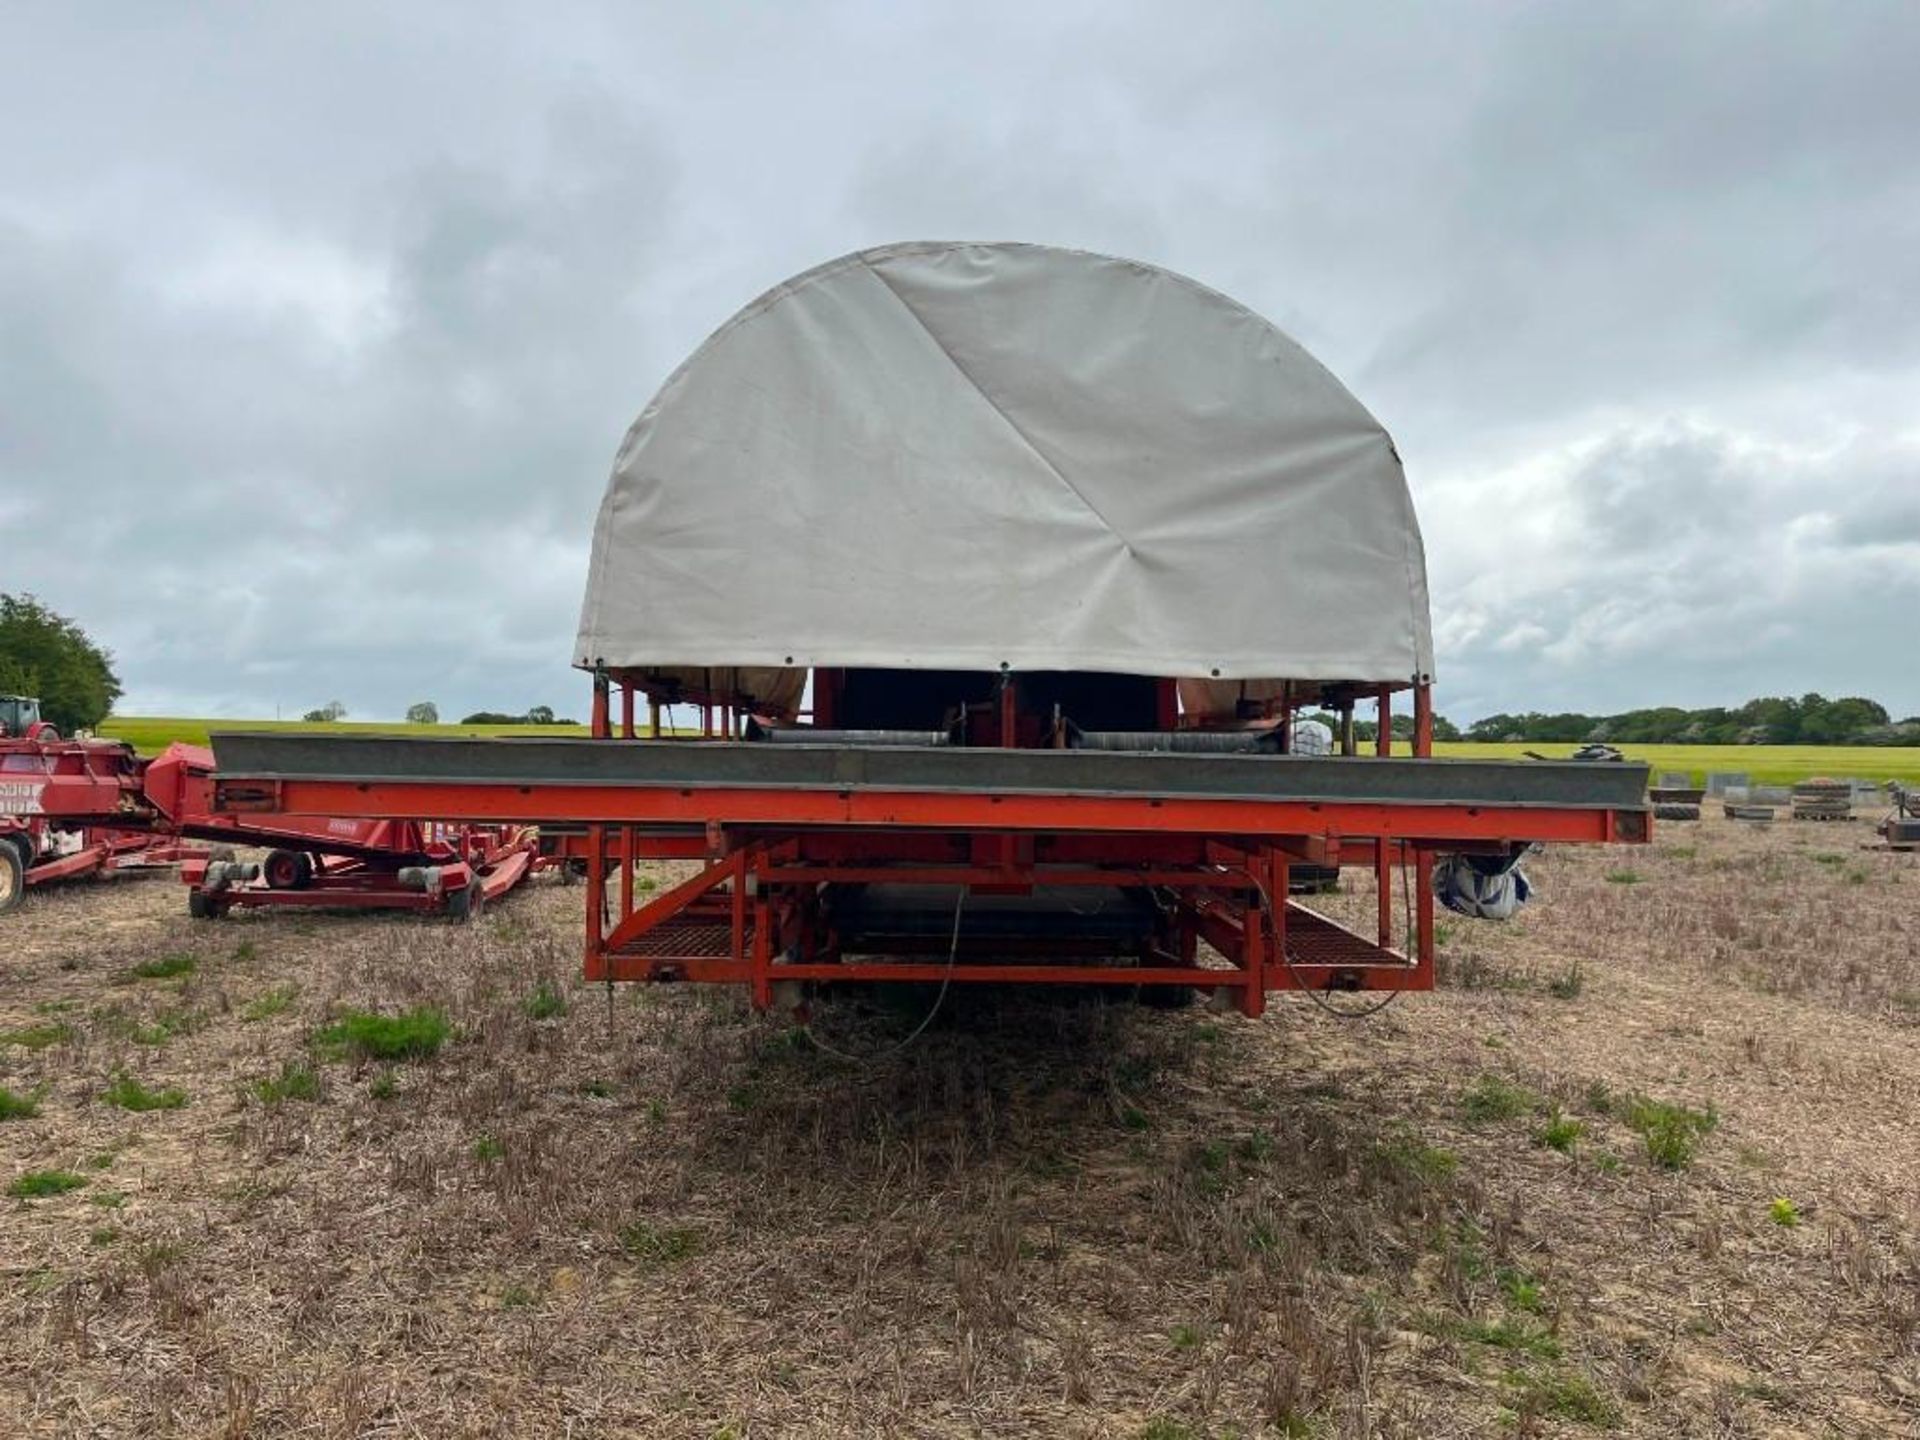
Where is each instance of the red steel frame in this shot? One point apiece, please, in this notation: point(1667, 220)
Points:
point(133, 812)
point(752, 914)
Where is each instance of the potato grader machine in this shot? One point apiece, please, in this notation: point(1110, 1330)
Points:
point(998, 576)
point(74, 807)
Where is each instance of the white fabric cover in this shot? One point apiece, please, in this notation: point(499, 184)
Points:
point(971, 456)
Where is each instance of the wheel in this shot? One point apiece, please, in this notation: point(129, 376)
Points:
point(287, 870)
point(13, 876)
point(465, 905)
point(201, 907)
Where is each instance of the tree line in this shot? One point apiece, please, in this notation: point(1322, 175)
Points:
point(48, 656)
point(1812, 719)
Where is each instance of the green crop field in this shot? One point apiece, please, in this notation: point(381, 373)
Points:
point(1763, 764)
point(150, 734)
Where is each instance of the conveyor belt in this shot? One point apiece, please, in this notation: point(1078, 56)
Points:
point(563, 762)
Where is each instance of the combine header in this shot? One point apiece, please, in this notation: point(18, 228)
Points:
point(1000, 577)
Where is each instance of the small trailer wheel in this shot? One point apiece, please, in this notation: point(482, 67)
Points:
point(13, 876)
point(465, 905)
point(287, 870)
point(200, 905)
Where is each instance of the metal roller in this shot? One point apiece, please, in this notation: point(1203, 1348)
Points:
point(805, 735)
point(1183, 742)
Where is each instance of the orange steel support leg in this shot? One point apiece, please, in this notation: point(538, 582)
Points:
point(626, 831)
point(1253, 932)
point(1423, 863)
point(738, 865)
point(1383, 862)
point(760, 965)
point(596, 967)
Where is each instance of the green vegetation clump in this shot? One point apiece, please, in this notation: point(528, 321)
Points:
point(416, 1034)
point(18, 1107)
point(1524, 1337)
point(487, 1150)
point(167, 967)
point(1495, 1098)
point(658, 1245)
point(129, 1094)
point(38, 1037)
point(1561, 1133)
point(1187, 1337)
point(275, 1002)
point(546, 1001)
point(38, 1184)
point(1623, 877)
point(1568, 984)
point(296, 1081)
point(1522, 1291)
point(1565, 1397)
point(1408, 1156)
point(165, 1026)
point(1784, 1212)
point(1671, 1132)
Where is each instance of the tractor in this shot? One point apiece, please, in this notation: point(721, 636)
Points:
point(20, 719)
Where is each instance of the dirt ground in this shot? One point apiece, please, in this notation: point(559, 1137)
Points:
point(655, 1214)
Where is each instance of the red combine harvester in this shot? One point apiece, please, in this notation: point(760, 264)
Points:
point(1000, 577)
point(70, 807)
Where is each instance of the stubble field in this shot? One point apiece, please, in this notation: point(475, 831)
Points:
point(1647, 1164)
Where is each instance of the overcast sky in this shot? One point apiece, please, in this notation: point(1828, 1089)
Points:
point(319, 325)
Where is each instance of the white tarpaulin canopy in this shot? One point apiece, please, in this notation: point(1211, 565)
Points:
point(976, 456)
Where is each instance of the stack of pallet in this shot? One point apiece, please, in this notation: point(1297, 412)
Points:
point(1822, 799)
point(1676, 798)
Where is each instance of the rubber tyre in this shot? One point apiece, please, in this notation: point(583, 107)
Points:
point(201, 907)
point(464, 906)
point(1676, 812)
point(287, 870)
point(13, 876)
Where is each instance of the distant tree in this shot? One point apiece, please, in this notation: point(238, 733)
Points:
point(328, 713)
point(540, 715)
point(47, 655)
point(492, 717)
point(424, 713)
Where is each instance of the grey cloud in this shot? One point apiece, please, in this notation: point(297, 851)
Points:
point(318, 330)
